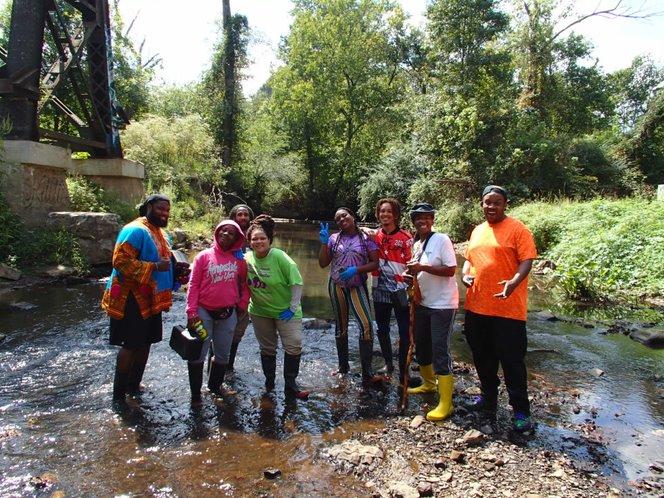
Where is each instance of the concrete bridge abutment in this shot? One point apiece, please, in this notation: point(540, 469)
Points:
point(32, 178)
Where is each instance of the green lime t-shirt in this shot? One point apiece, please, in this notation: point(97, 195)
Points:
point(270, 280)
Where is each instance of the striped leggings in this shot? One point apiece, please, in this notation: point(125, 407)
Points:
point(347, 300)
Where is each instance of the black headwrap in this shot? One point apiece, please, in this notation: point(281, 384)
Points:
point(151, 199)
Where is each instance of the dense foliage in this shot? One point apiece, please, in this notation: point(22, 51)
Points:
point(601, 248)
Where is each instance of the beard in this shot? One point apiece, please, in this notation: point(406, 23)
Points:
point(158, 222)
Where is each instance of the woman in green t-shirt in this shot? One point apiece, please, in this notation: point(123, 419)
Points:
point(275, 285)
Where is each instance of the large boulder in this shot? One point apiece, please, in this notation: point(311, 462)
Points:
point(95, 232)
point(651, 337)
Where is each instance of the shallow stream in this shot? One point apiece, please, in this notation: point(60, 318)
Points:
point(56, 371)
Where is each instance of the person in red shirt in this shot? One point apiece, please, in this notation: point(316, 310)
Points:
point(498, 260)
point(394, 251)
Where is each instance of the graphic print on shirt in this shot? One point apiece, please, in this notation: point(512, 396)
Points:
point(223, 272)
point(257, 277)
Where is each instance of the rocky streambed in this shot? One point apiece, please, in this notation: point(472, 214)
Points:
point(470, 456)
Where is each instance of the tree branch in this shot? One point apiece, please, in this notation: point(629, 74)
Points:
point(615, 12)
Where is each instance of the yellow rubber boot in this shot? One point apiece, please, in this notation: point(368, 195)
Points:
point(428, 381)
point(444, 408)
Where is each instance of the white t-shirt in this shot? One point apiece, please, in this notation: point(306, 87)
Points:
point(437, 292)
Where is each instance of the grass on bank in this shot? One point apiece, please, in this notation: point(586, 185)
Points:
point(603, 249)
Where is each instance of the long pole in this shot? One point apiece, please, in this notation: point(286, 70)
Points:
point(415, 298)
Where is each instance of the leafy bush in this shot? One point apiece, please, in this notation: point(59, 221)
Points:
point(85, 195)
point(603, 249)
point(10, 233)
point(457, 219)
point(20, 247)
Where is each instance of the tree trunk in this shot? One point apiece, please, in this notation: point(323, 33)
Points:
point(229, 109)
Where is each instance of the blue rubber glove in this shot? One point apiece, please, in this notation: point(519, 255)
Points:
point(324, 234)
point(348, 273)
point(239, 254)
point(286, 315)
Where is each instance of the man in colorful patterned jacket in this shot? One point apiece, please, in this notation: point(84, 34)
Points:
point(138, 290)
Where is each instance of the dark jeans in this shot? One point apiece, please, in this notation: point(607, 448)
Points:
point(433, 331)
point(383, 312)
point(494, 340)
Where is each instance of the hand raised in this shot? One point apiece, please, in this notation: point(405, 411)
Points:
point(324, 233)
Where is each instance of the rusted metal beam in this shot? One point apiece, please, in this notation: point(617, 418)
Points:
point(91, 145)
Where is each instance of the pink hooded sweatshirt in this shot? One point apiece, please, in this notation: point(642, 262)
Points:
point(218, 279)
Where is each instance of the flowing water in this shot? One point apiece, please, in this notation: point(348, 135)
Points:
point(56, 417)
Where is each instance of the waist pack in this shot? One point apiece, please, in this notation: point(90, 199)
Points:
point(184, 344)
point(220, 314)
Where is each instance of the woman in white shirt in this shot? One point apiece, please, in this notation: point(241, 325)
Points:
point(434, 266)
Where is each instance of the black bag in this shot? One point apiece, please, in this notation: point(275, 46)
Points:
point(399, 298)
point(184, 344)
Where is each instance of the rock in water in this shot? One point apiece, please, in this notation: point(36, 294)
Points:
point(9, 273)
point(653, 338)
point(23, 306)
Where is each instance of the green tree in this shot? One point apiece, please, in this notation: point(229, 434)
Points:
point(465, 37)
point(633, 88)
point(222, 84)
point(336, 91)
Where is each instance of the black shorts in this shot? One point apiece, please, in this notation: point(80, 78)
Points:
point(133, 331)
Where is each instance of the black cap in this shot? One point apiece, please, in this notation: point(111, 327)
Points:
point(494, 188)
point(421, 208)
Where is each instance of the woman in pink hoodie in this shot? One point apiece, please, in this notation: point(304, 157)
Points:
point(217, 292)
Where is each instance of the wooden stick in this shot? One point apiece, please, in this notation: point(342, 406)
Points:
point(415, 298)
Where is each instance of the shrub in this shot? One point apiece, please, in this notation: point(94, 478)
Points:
point(603, 249)
point(85, 195)
point(457, 219)
point(10, 233)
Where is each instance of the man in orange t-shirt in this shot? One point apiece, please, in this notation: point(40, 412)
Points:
point(498, 259)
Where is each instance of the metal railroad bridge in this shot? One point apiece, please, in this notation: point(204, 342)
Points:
point(61, 50)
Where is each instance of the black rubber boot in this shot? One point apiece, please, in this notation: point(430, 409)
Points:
point(291, 371)
point(386, 349)
point(216, 378)
point(231, 357)
point(366, 354)
point(119, 385)
point(342, 353)
point(195, 381)
point(134, 379)
point(269, 364)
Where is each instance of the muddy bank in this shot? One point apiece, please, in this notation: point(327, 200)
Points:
point(470, 456)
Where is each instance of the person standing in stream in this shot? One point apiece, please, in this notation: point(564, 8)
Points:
point(499, 257)
point(140, 287)
point(351, 254)
point(434, 266)
point(394, 251)
point(275, 284)
point(242, 215)
point(217, 294)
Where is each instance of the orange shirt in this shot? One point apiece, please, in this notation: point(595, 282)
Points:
point(494, 252)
